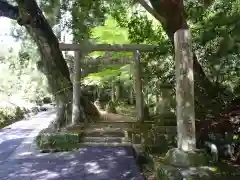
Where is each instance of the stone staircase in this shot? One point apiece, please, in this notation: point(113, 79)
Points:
point(106, 133)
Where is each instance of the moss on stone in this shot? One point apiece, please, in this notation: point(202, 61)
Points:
point(186, 159)
point(167, 172)
point(58, 141)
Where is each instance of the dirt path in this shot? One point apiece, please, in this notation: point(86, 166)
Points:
point(115, 117)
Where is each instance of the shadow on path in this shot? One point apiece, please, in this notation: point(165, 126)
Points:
point(10, 141)
point(13, 135)
point(92, 163)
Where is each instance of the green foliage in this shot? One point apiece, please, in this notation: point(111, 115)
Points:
point(215, 33)
point(126, 110)
point(110, 33)
point(136, 29)
point(47, 100)
point(109, 75)
point(214, 29)
point(52, 10)
point(216, 39)
point(9, 115)
point(20, 77)
point(58, 141)
point(101, 77)
point(86, 15)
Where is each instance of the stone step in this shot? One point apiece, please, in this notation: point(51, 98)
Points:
point(109, 125)
point(97, 144)
point(104, 139)
point(104, 132)
point(106, 128)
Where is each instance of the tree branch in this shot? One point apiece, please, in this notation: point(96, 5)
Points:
point(28, 13)
point(150, 10)
point(33, 19)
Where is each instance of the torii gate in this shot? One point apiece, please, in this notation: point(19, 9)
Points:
point(184, 80)
point(87, 47)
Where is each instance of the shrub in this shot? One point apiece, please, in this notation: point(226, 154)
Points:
point(10, 115)
point(47, 100)
point(49, 140)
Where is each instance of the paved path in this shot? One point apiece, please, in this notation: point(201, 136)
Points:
point(19, 158)
point(15, 136)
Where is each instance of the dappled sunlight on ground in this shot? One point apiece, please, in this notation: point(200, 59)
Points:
point(19, 159)
point(10, 140)
point(92, 163)
point(12, 136)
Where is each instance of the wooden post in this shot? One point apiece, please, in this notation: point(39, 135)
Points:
point(131, 96)
point(118, 89)
point(131, 88)
point(185, 90)
point(133, 133)
point(113, 92)
point(76, 88)
point(138, 87)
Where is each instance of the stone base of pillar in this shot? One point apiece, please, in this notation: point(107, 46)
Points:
point(176, 157)
point(178, 165)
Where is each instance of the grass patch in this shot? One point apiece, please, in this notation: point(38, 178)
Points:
point(50, 141)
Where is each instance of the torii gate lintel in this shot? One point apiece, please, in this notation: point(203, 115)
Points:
point(107, 47)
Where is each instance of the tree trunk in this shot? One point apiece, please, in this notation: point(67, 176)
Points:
point(138, 87)
point(131, 95)
point(76, 88)
point(118, 91)
point(207, 95)
point(113, 92)
point(61, 115)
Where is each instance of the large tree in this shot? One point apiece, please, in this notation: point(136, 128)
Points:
point(172, 16)
point(213, 100)
point(29, 15)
